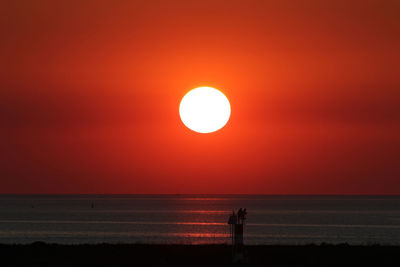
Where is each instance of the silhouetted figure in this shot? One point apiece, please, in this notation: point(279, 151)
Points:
point(240, 212)
point(236, 221)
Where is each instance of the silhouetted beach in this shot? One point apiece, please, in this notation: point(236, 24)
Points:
point(42, 254)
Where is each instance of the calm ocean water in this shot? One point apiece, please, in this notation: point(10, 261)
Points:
point(197, 219)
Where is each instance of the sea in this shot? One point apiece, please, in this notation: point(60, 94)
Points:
point(199, 219)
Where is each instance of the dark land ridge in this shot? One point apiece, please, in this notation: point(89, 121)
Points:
point(42, 254)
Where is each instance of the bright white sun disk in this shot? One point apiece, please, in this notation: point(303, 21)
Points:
point(205, 110)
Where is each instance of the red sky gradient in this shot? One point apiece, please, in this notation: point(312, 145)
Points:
point(89, 96)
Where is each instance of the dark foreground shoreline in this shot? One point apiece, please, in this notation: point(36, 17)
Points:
point(41, 254)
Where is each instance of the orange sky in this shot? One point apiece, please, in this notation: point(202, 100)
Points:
point(89, 96)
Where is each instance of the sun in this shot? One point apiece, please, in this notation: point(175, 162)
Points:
point(205, 110)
